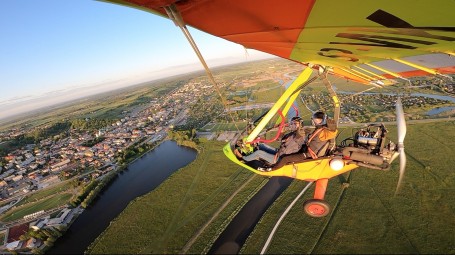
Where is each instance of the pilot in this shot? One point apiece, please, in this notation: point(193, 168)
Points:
point(290, 143)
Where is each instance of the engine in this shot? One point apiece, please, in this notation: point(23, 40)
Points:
point(369, 147)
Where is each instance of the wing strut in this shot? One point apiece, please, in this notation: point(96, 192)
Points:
point(336, 102)
point(175, 16)
point(333, 94)
point(296, 85)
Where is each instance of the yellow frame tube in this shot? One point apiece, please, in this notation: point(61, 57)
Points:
point(306, 73)
point(289, 104)
point(355, 74)
point(362, 74)
point(426, 69)
point(374, 74)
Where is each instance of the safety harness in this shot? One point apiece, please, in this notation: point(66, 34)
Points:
point(310, 151)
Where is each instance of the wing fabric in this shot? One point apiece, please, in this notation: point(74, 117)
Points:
point(362, 40)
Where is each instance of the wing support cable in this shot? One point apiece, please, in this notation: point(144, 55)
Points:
point(176, 17)
point(277, 224)
point(355, 74)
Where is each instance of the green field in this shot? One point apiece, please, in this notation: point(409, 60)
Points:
point(47, 203)
point(366, 218)
point(61, 187)
point(213, 127)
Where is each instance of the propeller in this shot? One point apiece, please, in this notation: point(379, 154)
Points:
point(401, 126)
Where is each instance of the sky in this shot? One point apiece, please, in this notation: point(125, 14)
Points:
point(53, 51)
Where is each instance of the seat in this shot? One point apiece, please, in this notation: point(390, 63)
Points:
point(324, 150)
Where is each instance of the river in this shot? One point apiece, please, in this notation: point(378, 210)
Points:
point(141, 177)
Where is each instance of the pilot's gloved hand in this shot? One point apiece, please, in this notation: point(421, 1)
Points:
point(331, 125)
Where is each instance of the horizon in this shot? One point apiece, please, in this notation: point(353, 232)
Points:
point(14, 108)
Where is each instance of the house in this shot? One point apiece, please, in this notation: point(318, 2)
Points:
point(64, 217)
point(33, 243)
point(16, 245)
point(39, 224)
point(44, 182)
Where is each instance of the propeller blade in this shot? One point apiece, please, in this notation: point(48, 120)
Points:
point(401, 128)
point(401, 123)
point(402, 168)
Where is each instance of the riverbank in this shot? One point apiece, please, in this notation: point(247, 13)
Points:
point(103, 182)
point(141, 176)
point(163, 220)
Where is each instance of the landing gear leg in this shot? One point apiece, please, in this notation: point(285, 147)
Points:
point(318, 207)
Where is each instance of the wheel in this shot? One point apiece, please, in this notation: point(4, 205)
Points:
point(316, 208)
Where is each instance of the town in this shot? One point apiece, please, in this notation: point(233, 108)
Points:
point(84, 155)
point(37, 166)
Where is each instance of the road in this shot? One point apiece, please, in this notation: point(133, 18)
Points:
point(238, 230)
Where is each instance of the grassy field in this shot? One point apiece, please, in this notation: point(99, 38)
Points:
point(2, 238)
point(366, 218)
point(47, 203)
point(45, 197)
point(213, 127)
point(62, 187)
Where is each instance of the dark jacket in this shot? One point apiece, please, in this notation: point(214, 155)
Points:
point(291, 143)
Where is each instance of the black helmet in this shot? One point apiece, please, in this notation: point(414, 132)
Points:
point(296, 118)
point(319, 115)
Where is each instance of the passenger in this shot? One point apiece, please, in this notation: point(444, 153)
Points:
point(290, 143)
point(238, 149)
point(325, 130)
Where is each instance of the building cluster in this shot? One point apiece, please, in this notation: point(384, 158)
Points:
point(36, 166)
point(13, 241)
point(354, 105)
